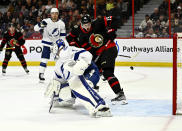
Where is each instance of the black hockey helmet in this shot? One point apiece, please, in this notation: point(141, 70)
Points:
point(11, 25)
point(86, 19)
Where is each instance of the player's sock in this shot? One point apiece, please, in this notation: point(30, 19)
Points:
point(114, 84)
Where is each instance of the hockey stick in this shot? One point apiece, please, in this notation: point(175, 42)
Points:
point(131, 58)
point(125, 56)
point(8, 48)
point(52, 102)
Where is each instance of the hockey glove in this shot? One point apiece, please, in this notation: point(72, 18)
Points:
point(42, 24)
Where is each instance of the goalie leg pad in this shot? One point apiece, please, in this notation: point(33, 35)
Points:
point(53, 86)
point(87, 96)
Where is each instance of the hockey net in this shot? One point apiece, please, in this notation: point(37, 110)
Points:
point(177, 74)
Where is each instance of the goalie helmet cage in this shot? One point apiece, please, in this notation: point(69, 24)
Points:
point(177, 74)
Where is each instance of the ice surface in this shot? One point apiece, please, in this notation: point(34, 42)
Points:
point(148, 90)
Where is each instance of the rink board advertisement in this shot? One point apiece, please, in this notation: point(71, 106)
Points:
point(33, 55)
point(144, 52)
point(141, 52)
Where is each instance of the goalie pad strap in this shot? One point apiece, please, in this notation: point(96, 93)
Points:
point(83, 97)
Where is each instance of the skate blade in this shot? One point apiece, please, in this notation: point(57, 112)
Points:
point(41, 81)
point(3, 74)
point(102, 114)
point(122, 102)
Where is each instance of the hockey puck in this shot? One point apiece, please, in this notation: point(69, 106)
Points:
point(131, 67)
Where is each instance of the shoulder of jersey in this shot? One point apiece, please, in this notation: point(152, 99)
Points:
point(61, 21)
point(47, 19)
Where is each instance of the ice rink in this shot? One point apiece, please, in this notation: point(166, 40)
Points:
point(148, 90)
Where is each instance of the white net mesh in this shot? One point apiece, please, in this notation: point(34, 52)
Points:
point(179, 74)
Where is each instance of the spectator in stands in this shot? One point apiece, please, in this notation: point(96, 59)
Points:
point(109, 5)
point(138, 33)
point(179, 27)
point(179, 12)
point(38, 20)
point(34, 11)
point(164, 33)
point(24, 11)
point(1, 19)
point(49, 5)
point(150, 34)
point(143, 24)
point(162, 20)
point(41, 11)
point(164, 4)
point(155, 16)
point(7, 17)
point(28, 4)
point(20, 19)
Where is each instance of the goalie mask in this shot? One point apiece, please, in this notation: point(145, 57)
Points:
point(58, 46)
point(96, 40)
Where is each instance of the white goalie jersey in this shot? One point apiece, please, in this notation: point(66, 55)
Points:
point(52, 32)
point(69, 57)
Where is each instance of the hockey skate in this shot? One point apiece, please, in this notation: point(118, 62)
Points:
point(120, 98)
point(41, 77)
point(26, 70)
point(102, 111)
point(3, 72)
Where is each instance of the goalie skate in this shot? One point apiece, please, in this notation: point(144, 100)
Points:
point(102, 111)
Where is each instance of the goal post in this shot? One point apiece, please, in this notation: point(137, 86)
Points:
point(177, 74)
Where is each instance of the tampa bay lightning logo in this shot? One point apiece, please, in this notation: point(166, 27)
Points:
point(54, 32)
